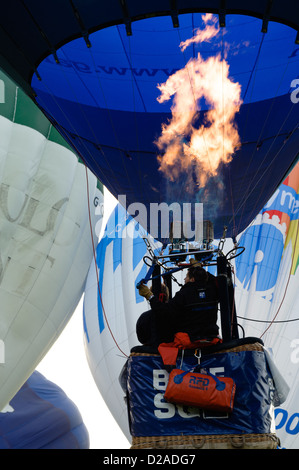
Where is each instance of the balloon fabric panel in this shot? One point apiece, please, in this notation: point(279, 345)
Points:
point(41, 416)
point(45, 240)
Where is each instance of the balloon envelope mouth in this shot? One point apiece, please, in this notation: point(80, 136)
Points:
point(104, 100)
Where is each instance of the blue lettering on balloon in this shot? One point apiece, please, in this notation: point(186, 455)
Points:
point(282, 419)
point(113, 234)
point(116, 224)
point(285, 200)
point(292, 426)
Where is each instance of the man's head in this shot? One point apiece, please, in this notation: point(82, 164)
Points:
point(196, 274)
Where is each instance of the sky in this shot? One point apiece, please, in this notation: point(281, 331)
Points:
point(66, 365)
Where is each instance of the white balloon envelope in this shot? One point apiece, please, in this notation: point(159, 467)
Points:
point(45, 238)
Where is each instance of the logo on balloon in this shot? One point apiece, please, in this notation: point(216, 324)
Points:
point(260, 262)
point(295, 93)
point(265, 241)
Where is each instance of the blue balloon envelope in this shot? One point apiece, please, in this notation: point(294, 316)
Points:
point(41, 416)
point(104, 100)
point(95, 74)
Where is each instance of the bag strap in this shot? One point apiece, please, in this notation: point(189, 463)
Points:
point(220, 385)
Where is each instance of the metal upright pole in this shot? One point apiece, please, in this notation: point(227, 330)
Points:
point(225, 307)
point(156, 281)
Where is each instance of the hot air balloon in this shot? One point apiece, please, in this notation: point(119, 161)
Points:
point(41, 416)
point(46, 235)
point(265, 295)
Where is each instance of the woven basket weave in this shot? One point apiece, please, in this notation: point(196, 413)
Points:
point(230, 441)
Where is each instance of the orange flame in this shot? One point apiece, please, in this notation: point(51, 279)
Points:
point(203, 35)
point(188, 147)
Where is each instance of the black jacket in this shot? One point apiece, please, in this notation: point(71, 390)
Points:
point(192, 310)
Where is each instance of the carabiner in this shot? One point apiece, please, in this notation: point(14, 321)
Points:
point(198, 355)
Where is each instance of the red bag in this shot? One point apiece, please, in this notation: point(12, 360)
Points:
point(201, 390)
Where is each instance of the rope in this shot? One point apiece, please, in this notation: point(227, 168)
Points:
point(96, 268)
point(268, 321)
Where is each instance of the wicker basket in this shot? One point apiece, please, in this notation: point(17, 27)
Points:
point(227, 441)
point(230, 441)
point(254, 346)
